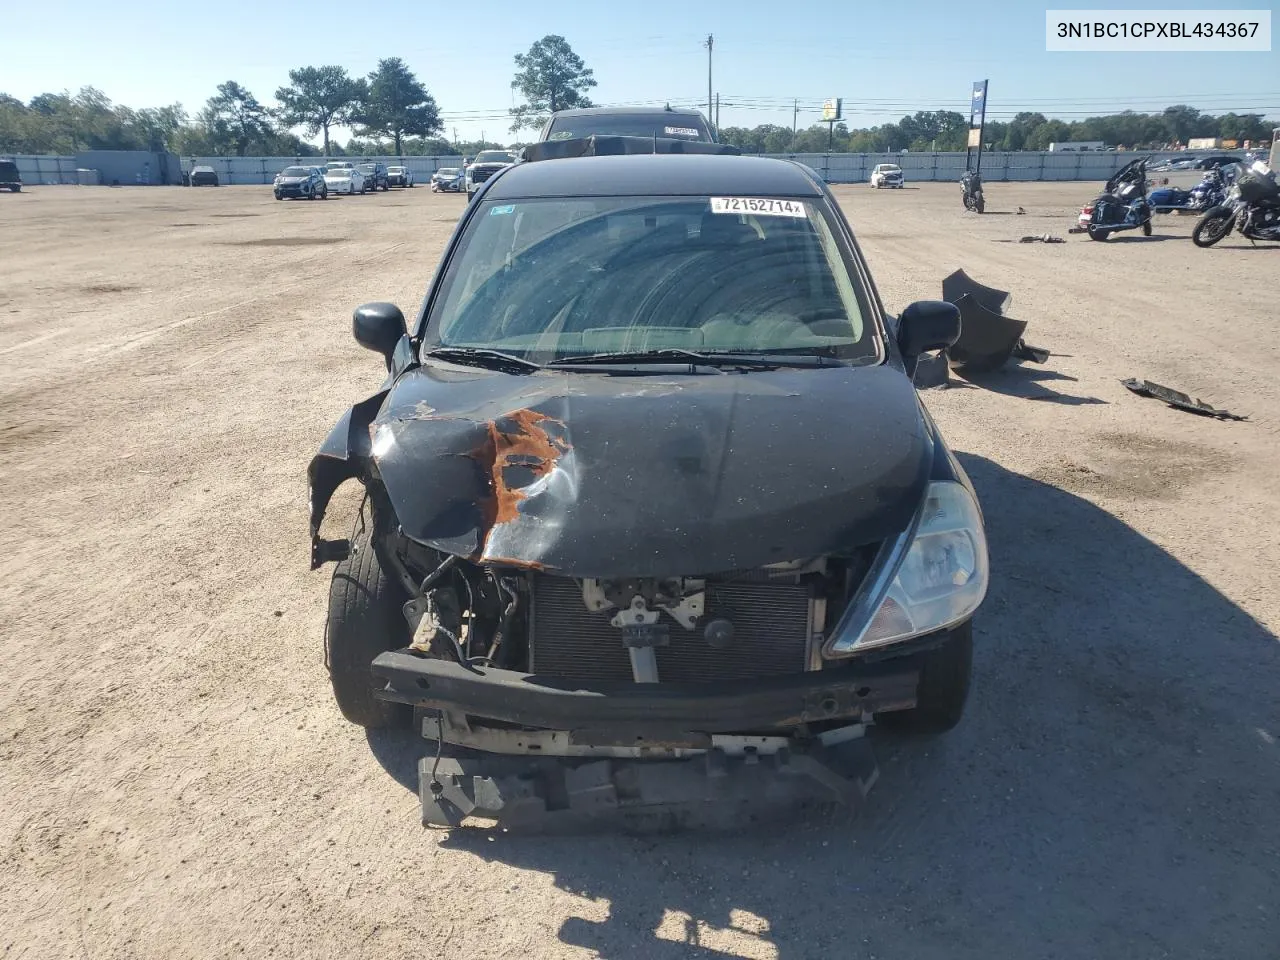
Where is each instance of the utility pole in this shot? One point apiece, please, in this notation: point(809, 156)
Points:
point(711, 40)
point(795, 120)
point(717, 113)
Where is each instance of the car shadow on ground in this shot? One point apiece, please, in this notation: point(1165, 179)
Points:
point(1110, 792)
point(1017, 380)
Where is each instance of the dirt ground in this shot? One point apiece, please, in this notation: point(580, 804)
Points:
point(175, 780)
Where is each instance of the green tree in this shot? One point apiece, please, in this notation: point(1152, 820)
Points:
point(551, 77)
point(397, 105)
point(317, 98)
point(235, 118)
point(1182, 122)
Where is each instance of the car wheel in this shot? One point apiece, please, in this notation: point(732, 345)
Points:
point(1096, 234)
point(943, 688)
point(324, 194)
point(1146, 229)
point(365, 619)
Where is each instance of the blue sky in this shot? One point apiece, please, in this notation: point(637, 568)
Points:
point(885, 59)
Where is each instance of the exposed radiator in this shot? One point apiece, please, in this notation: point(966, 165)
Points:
point(770, 620)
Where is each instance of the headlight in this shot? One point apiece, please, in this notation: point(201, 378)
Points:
point(940, 581)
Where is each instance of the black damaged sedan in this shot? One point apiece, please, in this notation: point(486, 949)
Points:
point(648, 485)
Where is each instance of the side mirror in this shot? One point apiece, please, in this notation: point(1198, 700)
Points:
point(378, 327)
point(927, 325)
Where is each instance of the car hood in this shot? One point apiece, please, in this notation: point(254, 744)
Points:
point(594, 475)
point(294, 179)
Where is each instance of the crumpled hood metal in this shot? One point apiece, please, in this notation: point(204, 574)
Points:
point(608, 476)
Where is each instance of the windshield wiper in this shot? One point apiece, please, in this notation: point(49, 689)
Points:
point(483, 357)
point(680, 355)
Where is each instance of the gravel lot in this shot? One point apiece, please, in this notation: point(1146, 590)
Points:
point(175, 780)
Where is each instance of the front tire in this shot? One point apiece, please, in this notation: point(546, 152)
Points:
point(1212, 227)
point(943, 689)
point(365, 619)
point(1146, 229)
point(979, 204)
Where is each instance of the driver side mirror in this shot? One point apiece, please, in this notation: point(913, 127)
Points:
point(378, 327)
point(927, 325)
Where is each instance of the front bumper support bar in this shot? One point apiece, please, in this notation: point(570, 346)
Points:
point(660, 711)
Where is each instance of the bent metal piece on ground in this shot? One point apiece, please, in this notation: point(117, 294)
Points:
point(638, 542)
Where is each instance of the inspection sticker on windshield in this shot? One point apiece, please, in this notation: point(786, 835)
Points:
point(500, 211)
point(761, 206)
point(680, 131)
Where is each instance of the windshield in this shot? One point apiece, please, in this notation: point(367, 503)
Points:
point(367, 168)
point(448, 171)
point(549, 279)
point(494, 156)
point(8, 170)
point(295, 172)
point(889, 168)
point(660, 124)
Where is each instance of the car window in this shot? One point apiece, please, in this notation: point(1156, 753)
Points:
point(553, 278)
point(494, 156)
point(294, 172)
point(659, 124)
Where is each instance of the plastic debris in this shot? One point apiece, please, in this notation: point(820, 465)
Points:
point(1178, 399)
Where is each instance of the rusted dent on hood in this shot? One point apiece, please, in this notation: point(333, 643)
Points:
point(517, 562)
point(517, 453)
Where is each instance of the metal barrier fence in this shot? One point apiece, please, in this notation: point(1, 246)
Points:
point(834, 167)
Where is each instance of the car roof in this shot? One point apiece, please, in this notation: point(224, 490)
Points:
point(654, 175)
point(622, 111)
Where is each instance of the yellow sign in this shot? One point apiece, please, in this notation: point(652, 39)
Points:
point(975, 137)
point(1232, 144)
point(831, 110)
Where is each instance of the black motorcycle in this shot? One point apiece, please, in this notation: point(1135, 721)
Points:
point(971, 184)
point(1252, 207)
point(1122, 206)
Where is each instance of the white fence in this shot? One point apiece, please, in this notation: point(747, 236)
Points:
point(834, 167)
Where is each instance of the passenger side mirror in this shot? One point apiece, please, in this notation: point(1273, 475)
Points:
point(378, 327)
point(927, 325)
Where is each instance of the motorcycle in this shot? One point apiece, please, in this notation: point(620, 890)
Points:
point(1123, 204)
point(1209, 192)
point(971, 184)
point(1252, 207)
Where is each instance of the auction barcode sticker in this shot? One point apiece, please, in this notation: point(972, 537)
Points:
point(680, 131)
point(761, 206)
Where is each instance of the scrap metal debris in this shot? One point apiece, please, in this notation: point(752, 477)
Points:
point(1176, 398)
point(1042, 238)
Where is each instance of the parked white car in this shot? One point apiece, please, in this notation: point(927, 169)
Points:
point(886, 175)
point(344, 179)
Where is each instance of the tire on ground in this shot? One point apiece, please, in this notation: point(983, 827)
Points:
point(365, 619)
point(943, 688)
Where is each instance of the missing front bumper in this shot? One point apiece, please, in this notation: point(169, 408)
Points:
point(534, 794)
point(672, 712)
